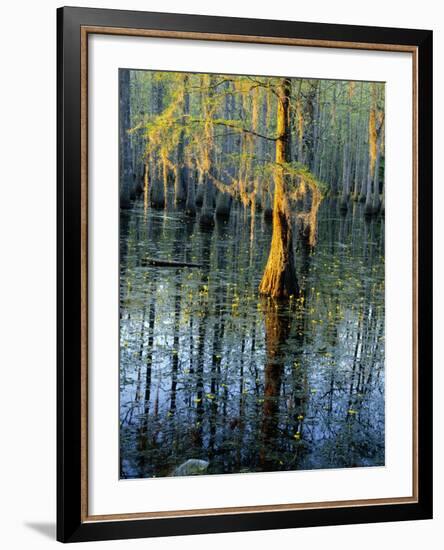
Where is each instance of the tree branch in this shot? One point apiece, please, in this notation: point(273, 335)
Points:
point(238, 128)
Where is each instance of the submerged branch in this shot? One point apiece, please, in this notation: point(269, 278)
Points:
point(167, 263)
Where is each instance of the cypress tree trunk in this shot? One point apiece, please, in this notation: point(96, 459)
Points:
point(319, 152)
point(334, 146)
point(223, 206)
point(268, 209)
point(146, 183)
point(182, 175)
point(206, 215)
point(279, 278)
point(125, 172)
point(373, 154)
point(157, 195)
point(376, 204)
point(383, 198)
point(200, 188)
point(207, 212)
point(190, 206)
point(316, 122)
point(346, 159)
point(369, 193)
point(158, 187)
point(364, 178)
point(164, 168)
point(358, 155)
point(300, 123)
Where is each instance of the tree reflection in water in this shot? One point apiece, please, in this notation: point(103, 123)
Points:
point(210, 370)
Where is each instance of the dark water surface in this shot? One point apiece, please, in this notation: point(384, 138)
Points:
point(212, 371)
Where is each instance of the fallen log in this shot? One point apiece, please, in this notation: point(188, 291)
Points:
point(167, 263)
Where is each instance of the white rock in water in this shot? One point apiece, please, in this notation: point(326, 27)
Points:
point(190, 467)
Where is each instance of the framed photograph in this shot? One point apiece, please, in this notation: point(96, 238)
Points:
point(244, 274)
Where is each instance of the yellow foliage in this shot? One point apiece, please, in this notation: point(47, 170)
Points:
point(309, 219)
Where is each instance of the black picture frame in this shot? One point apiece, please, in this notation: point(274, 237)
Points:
point(71, 525)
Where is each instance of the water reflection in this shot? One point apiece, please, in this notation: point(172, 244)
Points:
point(211, 371)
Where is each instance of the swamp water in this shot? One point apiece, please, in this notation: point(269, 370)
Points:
point(210, 370)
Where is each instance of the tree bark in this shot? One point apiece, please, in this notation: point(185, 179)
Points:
point(182, 173)
point(223, 206)
point(125, 172)
point(279, 279)
point(346, 158)
point(207, 212)
point(376, 197)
